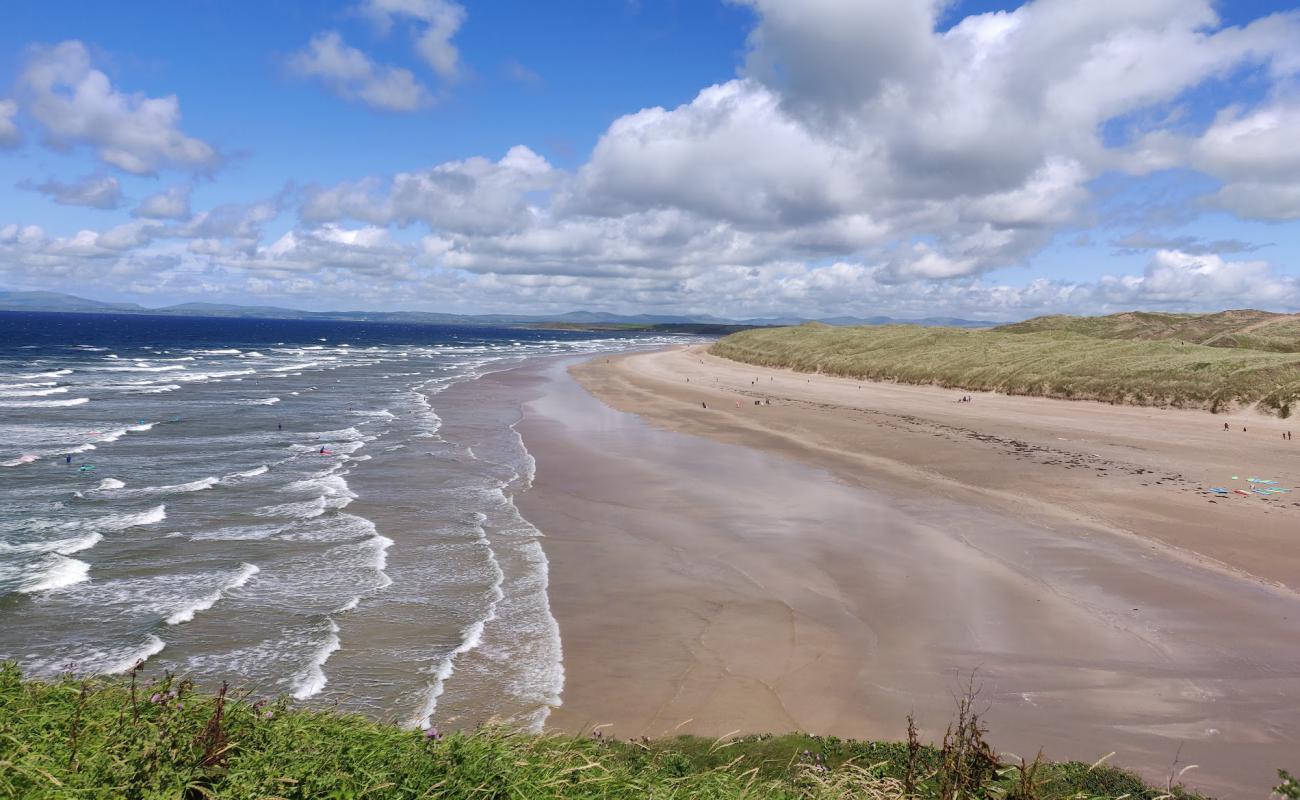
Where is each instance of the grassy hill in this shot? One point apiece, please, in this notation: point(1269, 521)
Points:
point(114, 739)
point(1255, 330)
point(1047, 363)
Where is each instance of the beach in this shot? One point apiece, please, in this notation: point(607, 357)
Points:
point(845, 554)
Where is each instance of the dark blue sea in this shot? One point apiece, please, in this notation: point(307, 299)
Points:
point(299, 507)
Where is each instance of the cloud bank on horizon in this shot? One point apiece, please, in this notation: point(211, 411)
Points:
point(868, 156)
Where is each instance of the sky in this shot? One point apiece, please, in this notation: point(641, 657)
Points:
point(738, 158)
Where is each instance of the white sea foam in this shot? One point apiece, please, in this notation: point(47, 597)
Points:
point(471, 637)
point(76, 401)
point(238, 579)
point(7, 392)
point(58, 373)
point(121, 522)
point(147, 491)
point(248, 473)
point(311, 679)
point(307, 509)
point(109, 483)
point(140, 367)
point(59, 571)
point(265, 401)
point(119, 663)
point(25, 458)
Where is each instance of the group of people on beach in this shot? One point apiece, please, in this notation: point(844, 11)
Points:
point(1286, 435)
point(964, 399)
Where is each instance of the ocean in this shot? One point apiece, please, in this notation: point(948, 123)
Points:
point(292, 506)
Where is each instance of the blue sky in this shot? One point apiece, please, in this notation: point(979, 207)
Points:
point(742, 158)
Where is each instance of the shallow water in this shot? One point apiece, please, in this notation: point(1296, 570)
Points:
point(286, 505)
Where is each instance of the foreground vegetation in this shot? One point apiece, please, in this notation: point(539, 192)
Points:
point(1250, 329)
point(1046, 363)
point(119, 739)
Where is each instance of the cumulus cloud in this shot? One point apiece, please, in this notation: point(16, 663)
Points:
point(435, 23)
point(352, 75)
point(76, 104)
point(473, 195)
point(92, 191)
point(10, 135)
point(172, 203)
point(864, 161)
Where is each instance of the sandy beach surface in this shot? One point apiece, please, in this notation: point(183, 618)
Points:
point(845, 554)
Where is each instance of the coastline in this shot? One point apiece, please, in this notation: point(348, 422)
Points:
point(820, 570)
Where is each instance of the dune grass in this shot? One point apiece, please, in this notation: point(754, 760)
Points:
point(100, 738)
point(1051, 363)
point(1244, 328)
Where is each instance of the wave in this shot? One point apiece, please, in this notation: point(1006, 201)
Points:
point(145, 491)
point(111, 436)
point(25, 458)
point(311, 679)
point(152, 646)
point(141, 428)
point(76, 401)
point(7, 392)
point(4, 387)
point(266, 401)
point(60, 572)
point(292, 367)
point(248, 473)
point(58, 373)
point(238, 533)
point(108, 483)
point(307, 509)
point(142, 368)
point(121, 522)
point(185, 614)
point(63, 547)
point(471, 636)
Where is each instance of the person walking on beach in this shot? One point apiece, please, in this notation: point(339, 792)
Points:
point(1225, 426)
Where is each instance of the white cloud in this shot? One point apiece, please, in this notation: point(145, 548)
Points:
point(77, 104)
point(10, 135)
point(829, 178)
point(436, 22)
point(172, 203)
point(92, 191)
point(474, 195)
point(352, 75)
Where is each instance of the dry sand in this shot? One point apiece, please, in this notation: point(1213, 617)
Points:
point(854, 552)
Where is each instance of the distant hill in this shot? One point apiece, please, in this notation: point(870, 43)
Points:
point(1243, 328)
point(56, 302)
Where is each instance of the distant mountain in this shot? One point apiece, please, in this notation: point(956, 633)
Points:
point(56, 302)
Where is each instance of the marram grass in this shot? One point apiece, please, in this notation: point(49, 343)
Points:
point(109, 739)
point(1050, 363)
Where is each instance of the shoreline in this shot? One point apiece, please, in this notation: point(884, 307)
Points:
point(715, 572)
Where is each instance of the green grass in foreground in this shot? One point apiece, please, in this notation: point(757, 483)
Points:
point(112, 739)
point(1051, 363)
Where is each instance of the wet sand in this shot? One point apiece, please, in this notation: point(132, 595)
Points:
point(845, 556)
